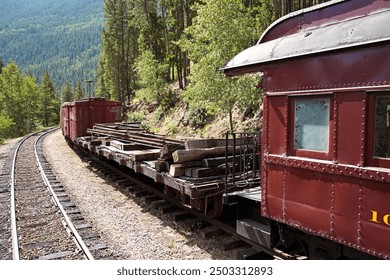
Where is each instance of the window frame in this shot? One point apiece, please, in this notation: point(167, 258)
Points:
point(292, 151)
point(371, 159)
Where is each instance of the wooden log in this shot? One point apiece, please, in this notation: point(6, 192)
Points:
point(214, 142)
point(176, 170)
point(199, 154)
point(162, 165)
point(168, 149)
point(204, 143)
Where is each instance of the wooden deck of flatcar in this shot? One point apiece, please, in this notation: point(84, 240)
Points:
point(197, 175)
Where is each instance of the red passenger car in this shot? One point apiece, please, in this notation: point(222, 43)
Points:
point(325, 177)
point(78, 116)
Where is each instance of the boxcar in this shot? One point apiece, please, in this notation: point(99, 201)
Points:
point(78, 116)
point(325, 175)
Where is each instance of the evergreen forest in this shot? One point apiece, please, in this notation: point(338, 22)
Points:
point(60, 36)
point(159, 52)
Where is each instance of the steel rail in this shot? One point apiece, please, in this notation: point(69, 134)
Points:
point(14, 230)
point(76, 236)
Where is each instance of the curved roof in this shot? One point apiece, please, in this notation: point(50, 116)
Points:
point(296, 14)
point(352, 32)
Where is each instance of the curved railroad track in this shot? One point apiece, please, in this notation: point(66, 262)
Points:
point(5, 203)
point(38, 219)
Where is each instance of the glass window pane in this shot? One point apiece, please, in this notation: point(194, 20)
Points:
point(382, 127)
point(312, 124)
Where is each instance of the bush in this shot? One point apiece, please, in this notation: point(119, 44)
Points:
point(138, 117)
point(197, 117)
point(5, 124)
point(167, 100)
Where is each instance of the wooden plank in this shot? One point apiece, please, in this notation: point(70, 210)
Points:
point(95, 142)
point(168, 149)
point(207, 172)
point(204, 143)
point(199, 154)
point(188, 164)
point(210, 231)
point(56, 256)
point(161, 165)
point(231, 243)
point(125, 146)
point(217, 161)
point(176, 170)
point(188, 171)
point(145, 155)
point(212, 143)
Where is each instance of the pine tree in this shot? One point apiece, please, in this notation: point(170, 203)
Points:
point(79, 92)
point(1, 65)
point(119, 50)
point(50, 102)
point(177, 15)
point(66, 93)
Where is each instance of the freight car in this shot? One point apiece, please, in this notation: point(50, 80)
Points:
point(325, 175)
point(78, 116)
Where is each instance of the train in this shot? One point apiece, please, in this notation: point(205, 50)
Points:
point(324, 158)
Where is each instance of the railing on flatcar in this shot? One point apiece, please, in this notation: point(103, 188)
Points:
point(242, 160)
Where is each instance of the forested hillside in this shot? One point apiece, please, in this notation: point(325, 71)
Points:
point(61, 36)
point(159, 56)
point(148, 45)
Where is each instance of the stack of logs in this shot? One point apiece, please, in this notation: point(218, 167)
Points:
point(198, 158)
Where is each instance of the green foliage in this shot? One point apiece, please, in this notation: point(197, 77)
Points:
point(49, 101)
point(5, 123)
point(19, 102)
point(151, 81)
point(137, 31)
point(66, 93)
point(79, 94)
point(172, 129)
point(63, 37)
point(1, 65)
point(144, 45)
point(116, 77)
point(196, 117)
point(167, 100)
point(220, 30)
point(138, 117)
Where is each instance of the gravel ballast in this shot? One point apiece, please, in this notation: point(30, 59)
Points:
point(130, 229)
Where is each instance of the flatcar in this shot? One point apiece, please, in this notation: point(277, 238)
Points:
point(325, 163)
point(78, 116)
point(325, 150)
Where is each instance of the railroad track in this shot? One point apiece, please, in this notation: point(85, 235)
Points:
point(38, 219)
point(144, 190)
point(5, 204)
